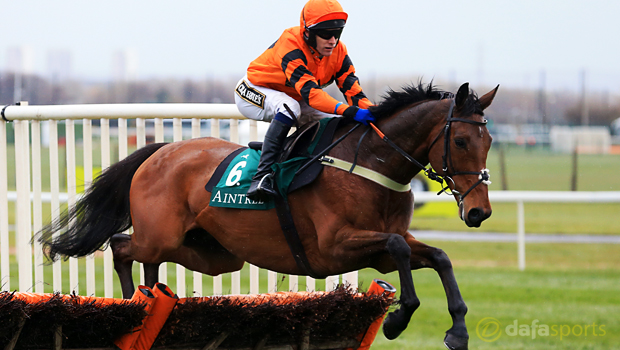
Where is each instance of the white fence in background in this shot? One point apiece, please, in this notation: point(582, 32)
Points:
point(520, 197)
point(29, 197)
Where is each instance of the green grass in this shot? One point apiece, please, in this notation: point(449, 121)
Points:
point(541, 170)
point(538, 169)
point(567, 298)
point(554, 298)
point(564, 285)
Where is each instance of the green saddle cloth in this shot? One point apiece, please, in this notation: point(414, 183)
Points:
point(231, 190)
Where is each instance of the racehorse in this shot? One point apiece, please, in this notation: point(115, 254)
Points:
point(345, 222)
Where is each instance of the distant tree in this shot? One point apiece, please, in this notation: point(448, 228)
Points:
point(140, 92)
point(163, 96)
point(192, 92)
point(35, 90)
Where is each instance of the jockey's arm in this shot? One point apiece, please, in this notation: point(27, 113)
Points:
point(349, 85)
point(302, 79)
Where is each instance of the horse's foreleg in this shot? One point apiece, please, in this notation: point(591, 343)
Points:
point(457, 336)
point(397, 321)
point(385, 252)
point(406, 254)
point(120, 245)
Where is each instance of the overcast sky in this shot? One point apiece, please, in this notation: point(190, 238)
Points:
point(481, 41)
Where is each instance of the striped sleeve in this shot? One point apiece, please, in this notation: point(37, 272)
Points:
point(294, 66)
point(349, 85)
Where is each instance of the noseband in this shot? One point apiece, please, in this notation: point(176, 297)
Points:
point(483, 175)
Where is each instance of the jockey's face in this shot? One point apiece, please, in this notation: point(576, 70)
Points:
point(326, 40)
point(325, 47)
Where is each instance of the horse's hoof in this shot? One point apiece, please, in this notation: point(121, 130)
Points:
point(455, 343)
point(391, 327)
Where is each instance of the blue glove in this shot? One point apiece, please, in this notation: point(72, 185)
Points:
point(358, 114)
point(364, 116)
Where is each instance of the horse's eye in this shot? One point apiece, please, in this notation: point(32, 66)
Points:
point(460, 143)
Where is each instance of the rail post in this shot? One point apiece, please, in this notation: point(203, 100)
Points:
point(521, 234)
point(5, 265)
point(22, 184)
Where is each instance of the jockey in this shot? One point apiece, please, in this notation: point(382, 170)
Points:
point(292, 73)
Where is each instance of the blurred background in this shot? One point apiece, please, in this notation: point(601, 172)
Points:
point(555, 123)
point(556, 61)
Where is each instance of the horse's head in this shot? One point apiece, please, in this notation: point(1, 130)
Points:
point(459, 154)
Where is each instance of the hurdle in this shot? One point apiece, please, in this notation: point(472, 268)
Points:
point(158, 319)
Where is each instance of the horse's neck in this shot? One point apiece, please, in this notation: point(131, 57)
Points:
point(412, 130)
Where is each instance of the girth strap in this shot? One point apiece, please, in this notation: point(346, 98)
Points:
point(292, 236)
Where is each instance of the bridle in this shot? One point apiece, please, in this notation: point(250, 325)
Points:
point(483, 175)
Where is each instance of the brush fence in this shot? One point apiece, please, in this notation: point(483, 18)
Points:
point(158, 319)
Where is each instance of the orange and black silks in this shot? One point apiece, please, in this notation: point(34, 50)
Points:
point(291, 66)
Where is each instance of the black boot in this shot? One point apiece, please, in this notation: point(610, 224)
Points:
point(262, 182)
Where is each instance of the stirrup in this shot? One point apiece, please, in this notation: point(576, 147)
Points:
point(262, 189)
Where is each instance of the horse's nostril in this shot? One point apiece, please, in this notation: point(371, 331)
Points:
point(475, 215)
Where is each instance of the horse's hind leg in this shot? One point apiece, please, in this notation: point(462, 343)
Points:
point(120, 245)
point(457, 336)
point(123, 262)
point(151, 274)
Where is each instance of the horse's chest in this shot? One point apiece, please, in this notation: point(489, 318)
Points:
point(393, 213)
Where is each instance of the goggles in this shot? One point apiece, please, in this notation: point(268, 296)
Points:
point(327, 34)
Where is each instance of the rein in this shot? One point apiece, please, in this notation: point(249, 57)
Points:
point(483, 175)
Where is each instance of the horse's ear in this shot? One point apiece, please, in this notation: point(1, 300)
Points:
point(485, 101)
point(462, 94)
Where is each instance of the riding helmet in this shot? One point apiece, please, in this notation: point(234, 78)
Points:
point(320, 15)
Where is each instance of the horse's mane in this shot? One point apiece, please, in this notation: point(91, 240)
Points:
point(393, 101)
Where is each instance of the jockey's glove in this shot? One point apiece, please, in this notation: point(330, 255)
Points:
point(359, 114)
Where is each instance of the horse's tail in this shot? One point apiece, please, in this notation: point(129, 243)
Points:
point(102, 212)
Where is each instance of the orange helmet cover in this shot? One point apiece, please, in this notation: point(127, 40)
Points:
point(317, 11)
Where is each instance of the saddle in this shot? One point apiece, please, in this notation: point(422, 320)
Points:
point(299, 148)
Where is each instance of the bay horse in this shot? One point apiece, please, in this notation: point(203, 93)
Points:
point(345, 222)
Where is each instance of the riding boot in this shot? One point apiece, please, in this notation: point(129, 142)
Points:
point(261, 187)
